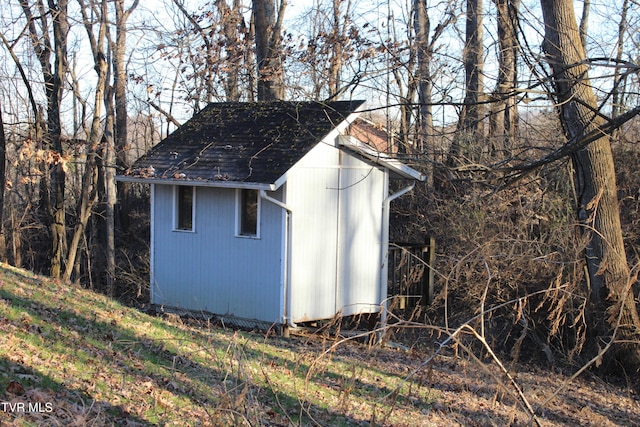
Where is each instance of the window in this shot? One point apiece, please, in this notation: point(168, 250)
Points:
point(184, 196)
point(248, 212)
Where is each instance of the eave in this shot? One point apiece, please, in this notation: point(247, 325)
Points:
point(382, 159)
point(198, 183)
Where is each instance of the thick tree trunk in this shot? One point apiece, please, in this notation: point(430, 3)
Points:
point(503, 120)
point(268, 26)
point(470, 129)
point(595, 183)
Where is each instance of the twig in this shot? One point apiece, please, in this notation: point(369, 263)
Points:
point(484, 298)
point(633, 277)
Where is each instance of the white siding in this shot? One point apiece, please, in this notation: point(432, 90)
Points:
point(312, 193)
point(336, 234)
point(211, 269)
point(359, 237)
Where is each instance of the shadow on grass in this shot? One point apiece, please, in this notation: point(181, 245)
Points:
point(60, 349)
point(33, 397)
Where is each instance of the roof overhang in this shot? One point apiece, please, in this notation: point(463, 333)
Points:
point(382, 159)
point(195, 183)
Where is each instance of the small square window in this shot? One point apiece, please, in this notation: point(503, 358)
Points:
point(248, 212)
point(184, 207)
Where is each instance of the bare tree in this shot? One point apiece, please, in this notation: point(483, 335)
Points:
point(584, 22)
point(213, 48)
point(115, 150)
point(89, 190)
point(268, 38)
point(233, 31)
point(118, 49)
point(594, 181)
point(338, 40)
point(425, 46)
point(470, 127)
point(619, 78)
point(336, 54)
point(54, 72)
point(503, 119)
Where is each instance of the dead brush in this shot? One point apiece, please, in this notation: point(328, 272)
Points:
point(237, 403)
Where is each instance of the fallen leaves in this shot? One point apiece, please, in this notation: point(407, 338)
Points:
point(15, 388)
point(97, 362)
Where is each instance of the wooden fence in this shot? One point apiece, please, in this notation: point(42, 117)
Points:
point(410, 275)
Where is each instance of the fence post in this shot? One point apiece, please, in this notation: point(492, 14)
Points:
point(431, 261)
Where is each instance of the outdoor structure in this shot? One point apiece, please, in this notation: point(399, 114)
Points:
point(271, 212)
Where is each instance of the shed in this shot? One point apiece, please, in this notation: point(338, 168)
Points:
point(270, 212)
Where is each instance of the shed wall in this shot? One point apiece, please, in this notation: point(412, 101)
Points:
point(311, 192)
point(362, 191)
point(211, 269)
point(336, 235)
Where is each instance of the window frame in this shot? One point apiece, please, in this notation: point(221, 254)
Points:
point(240, 213)
point(178, 205)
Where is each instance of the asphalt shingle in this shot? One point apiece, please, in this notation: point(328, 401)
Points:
point(249, 142)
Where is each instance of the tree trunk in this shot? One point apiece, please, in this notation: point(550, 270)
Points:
point(231, 24)
point(619, 78)
point(470, 121)
point(338, 38)
point(121, 114)
point(425, 133)
point(88, 192)
point(54, 79)
point(268, 26)
point(584, 22)
point(595, 182)
point(503, 120)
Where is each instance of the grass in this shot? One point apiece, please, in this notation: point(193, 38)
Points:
point(71, 357)
point(94, 361)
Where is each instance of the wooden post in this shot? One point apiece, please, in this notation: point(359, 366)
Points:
point(428, 257)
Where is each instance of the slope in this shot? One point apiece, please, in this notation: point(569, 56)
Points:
point(69, 356)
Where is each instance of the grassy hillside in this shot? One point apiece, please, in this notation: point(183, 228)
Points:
point(71, 357)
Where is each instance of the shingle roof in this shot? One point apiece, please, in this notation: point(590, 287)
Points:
point(247, 142)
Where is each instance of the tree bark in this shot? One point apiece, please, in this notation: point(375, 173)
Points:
point(595, 184)
point(268, 28)
point(470, 127)
point(503, 120)
point(54, 78)
point(424, 125)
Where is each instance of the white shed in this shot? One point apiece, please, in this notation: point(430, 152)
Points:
point(270, 212)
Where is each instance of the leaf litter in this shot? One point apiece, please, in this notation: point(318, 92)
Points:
point(72, 357)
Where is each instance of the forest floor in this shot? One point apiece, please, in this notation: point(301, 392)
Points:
point(69, 356)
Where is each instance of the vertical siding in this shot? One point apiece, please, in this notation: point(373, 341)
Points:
point(211, 269)
point(336, 234)
point(312, 193)
point(335, 253)
point(359, 241)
